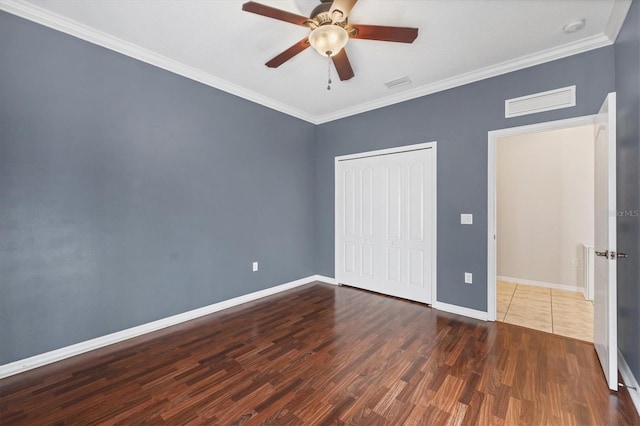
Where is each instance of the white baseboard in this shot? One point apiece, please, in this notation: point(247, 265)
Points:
point(327, 280)
point(39, 360)
point(629, 380)
point(542, 284)
point(455, 309)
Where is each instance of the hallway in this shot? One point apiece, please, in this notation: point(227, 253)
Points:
point(555, 311)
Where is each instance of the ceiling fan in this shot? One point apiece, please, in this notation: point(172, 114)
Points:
point(330, 31)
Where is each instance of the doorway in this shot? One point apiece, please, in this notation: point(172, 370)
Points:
point(545, 219)
point(492, 276)
point(386, 221)
point(605, 249)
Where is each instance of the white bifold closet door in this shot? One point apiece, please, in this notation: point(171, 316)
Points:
point(385, 210)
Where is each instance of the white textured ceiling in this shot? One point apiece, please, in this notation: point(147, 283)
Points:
point(217, 43)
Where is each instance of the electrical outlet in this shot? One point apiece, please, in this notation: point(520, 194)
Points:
point(255, 266)
point(468, 277)
point(574, 263)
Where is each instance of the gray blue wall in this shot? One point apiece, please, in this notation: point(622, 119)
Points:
point(129, 194)
point(458, 119)
point(627, 60)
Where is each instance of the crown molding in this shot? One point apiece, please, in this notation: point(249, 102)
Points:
point(57, 22)
point(60, 23)
point(541, 57)
point(616, 19)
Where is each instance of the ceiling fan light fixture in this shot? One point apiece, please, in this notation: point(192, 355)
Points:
point(328, 40)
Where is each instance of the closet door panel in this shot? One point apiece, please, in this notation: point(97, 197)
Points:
point(386, 227)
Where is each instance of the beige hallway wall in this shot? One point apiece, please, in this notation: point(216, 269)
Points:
point(545, 205)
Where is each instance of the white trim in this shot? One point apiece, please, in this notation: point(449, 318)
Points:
point(585, 294)
point(492, 258)
point(434, 226)
point(616, 19)
point(588, 271)
point(58, 22)
point(544, 127)
point(434, 241)
point(326, 280)
point(39, 360)
point(559, 52)
point(493, 137)
point(386, 151)
point(629, 380)
point(555, 286)
point(460, 310)
point(337, 206)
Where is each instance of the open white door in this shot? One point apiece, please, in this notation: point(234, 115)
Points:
point(605, 325)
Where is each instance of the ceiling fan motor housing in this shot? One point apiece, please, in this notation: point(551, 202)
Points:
point(321, 15)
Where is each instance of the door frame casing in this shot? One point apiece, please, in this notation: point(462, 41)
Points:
point(492, 246)
point(387, 151)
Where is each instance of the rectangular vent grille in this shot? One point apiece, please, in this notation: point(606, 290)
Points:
point(398, 82)
point(540, 102)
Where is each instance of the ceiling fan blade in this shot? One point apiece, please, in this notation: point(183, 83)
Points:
point(343, 66)
point(288, 54)
point(340, 9)
point(274, 13)
point(378, 32)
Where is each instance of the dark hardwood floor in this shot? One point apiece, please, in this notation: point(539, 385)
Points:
point(320, 355)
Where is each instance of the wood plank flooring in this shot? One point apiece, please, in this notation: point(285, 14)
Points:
point(321, 355)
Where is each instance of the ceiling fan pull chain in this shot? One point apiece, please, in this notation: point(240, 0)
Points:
point(329, 71)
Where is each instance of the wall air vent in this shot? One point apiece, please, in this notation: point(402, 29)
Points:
point(398, 82)
point(540, 102)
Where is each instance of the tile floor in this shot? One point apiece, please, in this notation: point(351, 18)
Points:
point(554, 311)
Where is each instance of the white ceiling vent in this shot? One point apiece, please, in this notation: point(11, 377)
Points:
point(398, 82)
point(540, 102)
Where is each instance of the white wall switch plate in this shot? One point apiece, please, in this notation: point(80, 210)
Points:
point(466, 219)
point(255, 266)
point(468, 277)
